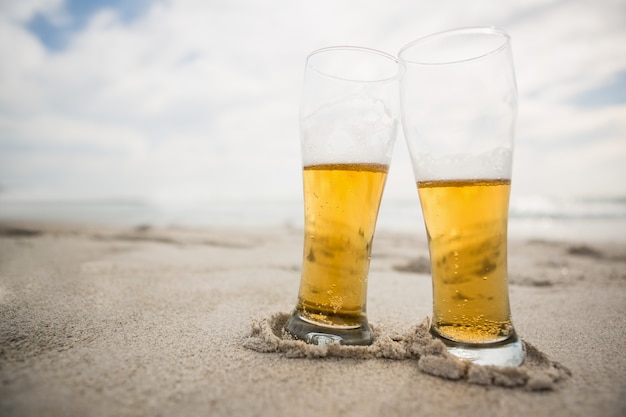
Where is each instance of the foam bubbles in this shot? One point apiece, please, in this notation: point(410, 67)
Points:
point(493, 164)
point(356, 129)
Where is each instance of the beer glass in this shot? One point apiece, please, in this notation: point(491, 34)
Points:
point(349, 114)
point(458, 103)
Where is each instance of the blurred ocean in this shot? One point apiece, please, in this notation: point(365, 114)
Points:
point(599, 219)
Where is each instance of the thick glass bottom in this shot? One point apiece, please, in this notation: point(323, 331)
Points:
point(319, 334)
point(508, 352)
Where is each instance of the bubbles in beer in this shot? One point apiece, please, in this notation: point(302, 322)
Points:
point(466, 223)
point(341, 207)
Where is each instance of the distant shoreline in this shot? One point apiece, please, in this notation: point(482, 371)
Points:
point(598, 220)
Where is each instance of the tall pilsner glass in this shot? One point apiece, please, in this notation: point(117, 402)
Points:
point(349, 115)
point(459, 103)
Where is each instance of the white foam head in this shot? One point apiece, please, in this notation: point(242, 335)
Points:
point(493, 164)
point(355, 129)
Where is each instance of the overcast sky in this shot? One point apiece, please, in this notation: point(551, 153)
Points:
point(197, 100)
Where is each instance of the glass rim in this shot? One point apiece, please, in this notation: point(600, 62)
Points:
point(352, 48)
point(487, 30)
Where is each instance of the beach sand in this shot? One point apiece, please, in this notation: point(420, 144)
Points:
point(103, 321)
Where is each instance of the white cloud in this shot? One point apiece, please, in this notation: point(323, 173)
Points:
point(199, 99)
point(24, 10)
point(56, 130)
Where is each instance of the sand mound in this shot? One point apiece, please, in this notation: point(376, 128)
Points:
point(537, 373)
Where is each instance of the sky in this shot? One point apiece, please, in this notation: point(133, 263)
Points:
point(197, 100)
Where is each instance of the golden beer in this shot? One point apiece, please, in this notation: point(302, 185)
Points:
point(466, 222)
point(341, 207)
point(349, 112)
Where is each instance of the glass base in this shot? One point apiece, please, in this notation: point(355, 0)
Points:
point(318, 334)
point(509, 352)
